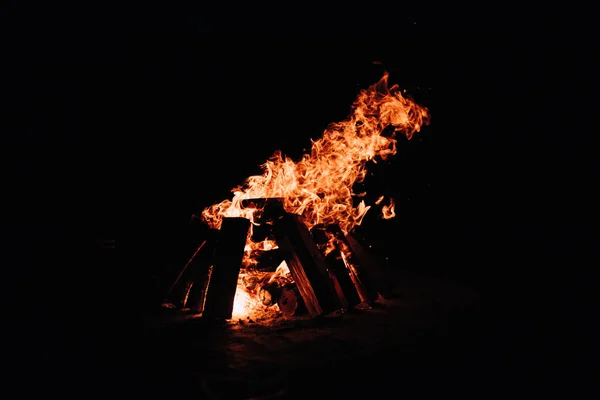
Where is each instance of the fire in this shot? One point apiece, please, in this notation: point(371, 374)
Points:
point(319, 186)
point(244, 303)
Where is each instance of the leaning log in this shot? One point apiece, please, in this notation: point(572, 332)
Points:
point(349, 288)
point(307, 265)
point(228, 257)
point(192, 270)
point(344, 284)
point(351, 267)
point(196, 296)
point(194, 278)
point(371, 273)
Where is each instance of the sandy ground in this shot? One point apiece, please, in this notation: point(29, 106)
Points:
point(419, 333)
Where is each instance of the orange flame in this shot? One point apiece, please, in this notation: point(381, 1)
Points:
point(319, 185)
point(388, 212)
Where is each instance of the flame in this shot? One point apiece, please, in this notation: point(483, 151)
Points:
point(282, 270)
point(319, 186)
point(245, 302)
point(388, 212)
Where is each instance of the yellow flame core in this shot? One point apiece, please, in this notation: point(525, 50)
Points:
point(319, 185)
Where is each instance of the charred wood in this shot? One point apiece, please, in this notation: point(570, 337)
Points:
point(371, 273)
point(342, 275)
point(263, 202)
point(261, 232)
point(196, 296)
point(267, 209)
point(268, 293)
point(307, 265)
point(191, 271)
point(290, 302)
point(269, 260)
point(185, 294)
point(352, 266)
point(229, 253)
point(349, 285)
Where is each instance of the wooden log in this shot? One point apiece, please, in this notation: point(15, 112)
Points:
point(344, 285)
point(290, 302)
point(269, 260)
point(345, 270)
point(349, 288)
point(196, 296)
point(186, 294)
point(307, 265)
point(261, 232)
point(228, 256)
point(268, 293)
point(370, 272)
point(364, 287)
point(178, 286)
point(187, 288)
point(267, 209)
point(262, 202)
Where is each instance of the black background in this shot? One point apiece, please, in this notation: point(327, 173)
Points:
point(124, 122)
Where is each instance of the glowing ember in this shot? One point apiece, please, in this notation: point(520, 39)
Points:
point(320, 185)
point(245, 303)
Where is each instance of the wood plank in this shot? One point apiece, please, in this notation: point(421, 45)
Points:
point(344, 284)
point(348, 275)
point(181, 293)
point(307, 265)
point(228, 256)
point(348, 287)
point(196, 296)
point(370, 272)
point(180, 285)
point(201, 269)
point(268, 293)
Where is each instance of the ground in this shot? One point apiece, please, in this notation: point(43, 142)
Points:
point(400, 344)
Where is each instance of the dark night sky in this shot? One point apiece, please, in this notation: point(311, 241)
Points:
point(143, 124)
point(124, 123)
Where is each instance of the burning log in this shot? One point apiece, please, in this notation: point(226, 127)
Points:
point(229, 253)
point(290, 302)
point(263, 202)
point(349, 289)
point(269, 260)
point(268, 293)
point(307, 265)
point(195, 297)
point(261, 232)
point(352, 290)
point(356, 264)
point(267, 209)
point(371, 272)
